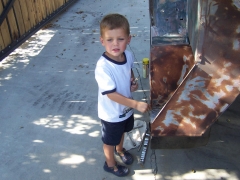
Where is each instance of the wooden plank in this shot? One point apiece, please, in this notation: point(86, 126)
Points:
point(52, 6)
point(31, 12)
point(25, 15)
point(6, 38)
point(58, 4)
point(38, 11)
point(1, 41)
point(61, 2)
point(34, 13)
point(5, 34)
point(1, 36)
point(19, 17)
point(42, 9)
point(13, 25)
point(12, 22)
point(48, 7)
point(55, 5)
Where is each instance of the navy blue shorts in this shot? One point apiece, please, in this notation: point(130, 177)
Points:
point(112, 132)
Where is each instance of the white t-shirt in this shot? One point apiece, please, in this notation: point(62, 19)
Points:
point(113, 76)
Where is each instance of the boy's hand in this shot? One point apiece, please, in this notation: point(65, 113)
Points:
point(142, 107)
point(134, 85)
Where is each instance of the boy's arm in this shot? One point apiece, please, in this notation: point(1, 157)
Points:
point(138, 105)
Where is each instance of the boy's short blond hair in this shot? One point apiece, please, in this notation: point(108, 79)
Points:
point(114, 21)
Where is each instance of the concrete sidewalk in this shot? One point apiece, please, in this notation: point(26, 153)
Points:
point(49, 129)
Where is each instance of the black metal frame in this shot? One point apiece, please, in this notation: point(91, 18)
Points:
point(6, 10)
point(16, 43)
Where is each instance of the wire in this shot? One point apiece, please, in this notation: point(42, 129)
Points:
point(153, 158)
point(139, 76)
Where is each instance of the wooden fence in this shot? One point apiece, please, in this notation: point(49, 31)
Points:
point(19, 19)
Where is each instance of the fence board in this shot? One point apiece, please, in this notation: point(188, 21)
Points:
point(5, 34)
point(42, 7)
point(6, 39)
point(52, 6)
point(19, 17)
point(12, 23)
point(31, 13)
point(34, 11)
point(61, 2)
point(55, 4)
point(38, 12)
point(1, 39)
point(25, 15)
point(49, 7)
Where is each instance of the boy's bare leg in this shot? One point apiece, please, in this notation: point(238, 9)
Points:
point(109, 154)
point(119, 147)
point(126, 157)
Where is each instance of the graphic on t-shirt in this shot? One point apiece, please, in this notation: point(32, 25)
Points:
point(125, 111)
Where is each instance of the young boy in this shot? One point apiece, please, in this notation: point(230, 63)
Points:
point(115, 80)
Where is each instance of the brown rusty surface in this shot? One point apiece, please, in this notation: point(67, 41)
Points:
point(214, 83)
point(168, 67)
point(179, 116)
point(196, 104)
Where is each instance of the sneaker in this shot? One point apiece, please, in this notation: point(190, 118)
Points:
point(127, 158)
point(121, 170)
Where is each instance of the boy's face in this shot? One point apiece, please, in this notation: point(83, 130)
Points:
point(115, 42)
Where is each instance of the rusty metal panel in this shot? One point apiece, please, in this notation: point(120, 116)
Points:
point(188, 110)
point(169, 65)
point(196, 104)
point(214, 83)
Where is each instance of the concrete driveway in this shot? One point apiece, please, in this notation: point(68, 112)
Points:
point(49, 129)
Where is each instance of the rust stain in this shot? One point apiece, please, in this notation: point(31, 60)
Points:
point(169, 66)
point(179, 116)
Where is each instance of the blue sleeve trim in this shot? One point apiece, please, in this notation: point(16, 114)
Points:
point(116, 62)
point(108, 92)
